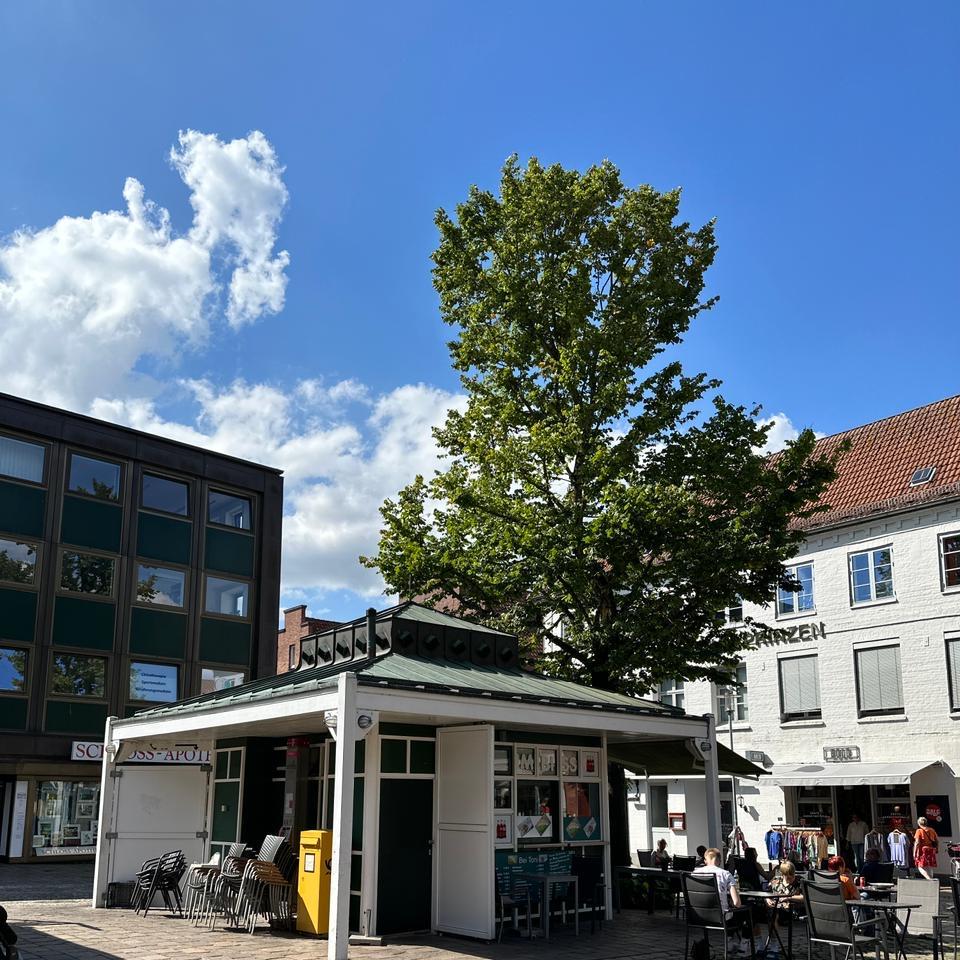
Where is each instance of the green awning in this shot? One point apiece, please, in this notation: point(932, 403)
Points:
point(668, 758)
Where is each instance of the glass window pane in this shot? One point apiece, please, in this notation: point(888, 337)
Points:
point(951, 544)
point(228, 597)
point(21, 460)
point(884, 590)
point(160, 585)
point(13, 669)
point(18, 561)
point(882, 556)
point(170, 496)
point(213, 678)
point(859, 561)
point(229, 510)
point(153, 682)
point(79, 676)
point(861, 593)
point(785, 600)
point(97, 478)
point(66, 817)
point(87, 573)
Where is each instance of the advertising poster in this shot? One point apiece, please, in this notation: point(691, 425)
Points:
point(936, 808)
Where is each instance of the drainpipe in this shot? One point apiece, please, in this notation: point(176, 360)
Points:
point(371, 633)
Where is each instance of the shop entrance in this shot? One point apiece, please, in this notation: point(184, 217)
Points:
point(850, 801)
point(405, 868)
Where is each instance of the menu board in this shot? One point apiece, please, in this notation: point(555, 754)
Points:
point(511, 866)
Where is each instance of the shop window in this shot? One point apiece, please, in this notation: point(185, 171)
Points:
point(227, 597)
point(21, 460)
point(658, 805)
point(18, 561)
point(165, 495)
point(670, 692)
point(732, 700)
point(953, 670)
point(13, 670)
point(871, 575)
point(229, 510)
point(214, 678)
point(791, 601)
point(950, 559)
point(87, 573)
point(66, 820)
point(94, 478)
point(799, 688)
point(162, 586)
point(153, 682)
point(879, 688)
point(78, 676)
point(538, 807)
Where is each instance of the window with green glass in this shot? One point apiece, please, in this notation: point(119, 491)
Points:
point(78, 676)
point(93, 477)
point(87, 573)
point(18, 561)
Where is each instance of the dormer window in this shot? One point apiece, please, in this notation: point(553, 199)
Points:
point(921, 476)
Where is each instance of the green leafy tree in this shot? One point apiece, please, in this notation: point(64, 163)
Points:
point(595, 495)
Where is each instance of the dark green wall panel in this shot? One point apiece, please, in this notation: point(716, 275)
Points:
point(18, 615)
point(91, 523)
point(225, 821)
point(21, 509)
point(225, 642)
point(158, 633)
point(13, 714)
point(83, 623)
point(64, 717)
point(229, 552)
point(163, 538)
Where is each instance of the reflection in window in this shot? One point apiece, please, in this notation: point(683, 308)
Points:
point(228, 597)
point(538, 806)
point(168, 496)
point(871, 575)
point(13, 670)
point(21, 460)
point(79, 676)
point(160, 585)
point(18, 561)
point(229, 510)
point(791, 601)
point(670, 692)
point(96, 478)
point(87, 573)
point(66, 817)
point(153, 682)
point(213, 678)
point(950, 559)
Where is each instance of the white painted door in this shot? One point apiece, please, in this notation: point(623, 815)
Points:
point(464, 849)
point(156, 809)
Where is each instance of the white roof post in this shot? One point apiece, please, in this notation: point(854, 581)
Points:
point(708, 750)
point(108, 783)
point(346, 737)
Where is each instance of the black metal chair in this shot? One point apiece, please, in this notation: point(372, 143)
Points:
point(510, 900)
point(592, 886)
point(645, 858)
point(954, 908)
point(162, 877)
point(704, 910)
point(818, 875)
point(830, 921)
point(684, 864)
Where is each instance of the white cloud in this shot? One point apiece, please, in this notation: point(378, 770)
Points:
point(336, 474)
point(781, 432)
point(83, 302)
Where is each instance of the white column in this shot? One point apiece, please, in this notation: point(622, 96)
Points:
point(605, 819)
point(648, 811)
point(108, 785)
point(371, 817)
point(346, 737)
point(708, 747)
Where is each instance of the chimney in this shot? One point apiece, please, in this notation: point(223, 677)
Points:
point(371, 633)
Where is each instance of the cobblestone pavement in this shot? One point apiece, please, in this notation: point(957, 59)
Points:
point(70, 930)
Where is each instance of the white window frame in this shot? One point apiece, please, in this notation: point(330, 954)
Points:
point(740, 695)
point(944, 586)
point(858, 674)
point(816, 714)
point(951, 646)
point(870, 553)
point(670, 694)
point(796, 611)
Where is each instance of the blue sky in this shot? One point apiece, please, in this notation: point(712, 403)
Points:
point(823, 137)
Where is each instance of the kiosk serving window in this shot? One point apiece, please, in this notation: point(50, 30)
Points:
point(546, 794)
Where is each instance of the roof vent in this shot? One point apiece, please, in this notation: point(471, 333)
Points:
point(923, 475)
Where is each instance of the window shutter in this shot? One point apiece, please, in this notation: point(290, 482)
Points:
point(953, 654)
point(800, 685)
point(809, 684)
point(879, 673)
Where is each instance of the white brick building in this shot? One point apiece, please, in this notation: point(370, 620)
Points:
point(853, 700)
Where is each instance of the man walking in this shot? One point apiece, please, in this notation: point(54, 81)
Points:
point(856, 832)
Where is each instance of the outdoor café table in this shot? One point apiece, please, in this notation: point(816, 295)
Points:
point(546, 880)
point(652, 873)
point(773, 898)
point(890, 907)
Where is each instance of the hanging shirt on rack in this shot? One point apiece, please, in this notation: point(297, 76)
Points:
point(874, 841)
point(899, 844)
point(773, 841)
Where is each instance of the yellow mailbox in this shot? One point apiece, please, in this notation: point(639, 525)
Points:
point(313, 882)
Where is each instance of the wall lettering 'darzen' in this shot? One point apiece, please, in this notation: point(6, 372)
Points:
point(771, 637)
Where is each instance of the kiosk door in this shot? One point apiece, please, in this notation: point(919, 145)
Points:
point(464, 862)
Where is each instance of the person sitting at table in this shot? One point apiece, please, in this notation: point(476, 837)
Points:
point(786, 884)
point(700, 862)
point(839, 865)
point(660, 856)
point(727, 884)
point(872, 870)
point(750, 875)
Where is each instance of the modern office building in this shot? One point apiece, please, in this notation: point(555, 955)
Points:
point(133, 571)
point(849, 694)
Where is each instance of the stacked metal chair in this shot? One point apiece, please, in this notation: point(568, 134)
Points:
point(160, 875)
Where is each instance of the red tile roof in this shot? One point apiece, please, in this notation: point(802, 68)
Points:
point(874, 475)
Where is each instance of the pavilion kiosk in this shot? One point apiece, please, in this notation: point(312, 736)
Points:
point(417, 739)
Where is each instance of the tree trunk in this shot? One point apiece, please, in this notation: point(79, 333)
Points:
point(619, 832)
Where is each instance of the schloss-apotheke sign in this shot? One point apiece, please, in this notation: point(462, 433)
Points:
point(841, 754)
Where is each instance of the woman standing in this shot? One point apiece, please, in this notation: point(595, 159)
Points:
point(925, 848)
